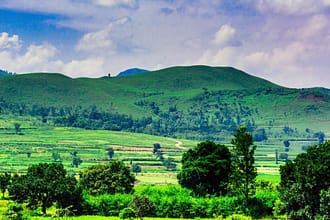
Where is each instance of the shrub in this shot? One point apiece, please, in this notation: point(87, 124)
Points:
point(14, 211)
point(143, 206)
point(107, 204)
point(127, 213)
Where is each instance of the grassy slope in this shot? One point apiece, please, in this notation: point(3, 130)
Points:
point(173, 86)
point(177, 81)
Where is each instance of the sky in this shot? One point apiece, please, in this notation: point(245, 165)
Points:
point(284, 41)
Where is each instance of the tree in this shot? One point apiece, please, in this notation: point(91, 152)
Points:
point(243, 171)
point(286, 143)
point(4, 182)
point(43, 184)
point(143, 206)
point(17, 127)
point(260, 135)
point(76, 161)
point(206, 169)
point(111, 152)
point(156, 148)
point(169, 164)
point(320, 136)
point(304, 182)
point(113, 177)
point(14, 212)
point(56, 156)
point(136, 168)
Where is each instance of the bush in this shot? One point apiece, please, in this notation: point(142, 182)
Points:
point(107, 204)
point(127, 213)
point(143, 206)
point(14, 211)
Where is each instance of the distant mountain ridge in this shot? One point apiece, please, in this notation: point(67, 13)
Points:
point(132, 71)
point(196, 102)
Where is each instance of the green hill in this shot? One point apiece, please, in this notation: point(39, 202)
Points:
point(196, 102)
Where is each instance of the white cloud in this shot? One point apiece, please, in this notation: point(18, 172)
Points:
point(35, 59)
point(99, 41)
point(224, 34)
point(9, 42)
point(94, 41)
point(111, 3)
point(293, 7)
point(84, 67)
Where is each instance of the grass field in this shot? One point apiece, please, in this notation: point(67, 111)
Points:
point(37, 143)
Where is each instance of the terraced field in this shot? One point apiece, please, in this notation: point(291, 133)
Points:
point(37, 143)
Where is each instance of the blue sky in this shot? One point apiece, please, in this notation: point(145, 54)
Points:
point(284, 41)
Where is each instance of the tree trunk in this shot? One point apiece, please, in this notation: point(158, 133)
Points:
point(44, 209)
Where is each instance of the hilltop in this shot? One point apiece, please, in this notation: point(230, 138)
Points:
point(196, 102)
point(132, 71)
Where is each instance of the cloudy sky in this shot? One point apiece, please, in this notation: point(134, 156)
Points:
point(284, 41)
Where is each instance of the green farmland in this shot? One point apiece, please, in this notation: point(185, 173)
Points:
point(37, 142)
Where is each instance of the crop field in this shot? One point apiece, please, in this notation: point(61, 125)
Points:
point(37, 143)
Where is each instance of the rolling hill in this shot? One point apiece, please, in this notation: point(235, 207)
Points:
point(132, 71)
point(195, 102)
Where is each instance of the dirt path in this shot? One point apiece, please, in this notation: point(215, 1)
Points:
point(178, 144)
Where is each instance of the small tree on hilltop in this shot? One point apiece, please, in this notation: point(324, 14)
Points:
point(243, 171)
point(206, 169)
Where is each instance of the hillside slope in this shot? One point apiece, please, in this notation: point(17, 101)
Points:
point(198, 102)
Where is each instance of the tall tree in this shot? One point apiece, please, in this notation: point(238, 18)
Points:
point(205, 169)
point(243, 171)
point(43, 184)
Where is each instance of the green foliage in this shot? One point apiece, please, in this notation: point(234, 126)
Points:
point(260, 135)
point(143, 206)
point(4, 182)
point(196, 102)
point(76, 161)
point(205, 169)
point(56, 156)
point(106, 204)
point(303, 180)
point(244, 173)
point(169, 164)
point(14, 211)
point(127, 213)
point(112, 177)
point(325, 203)
point(110, 152)
point(44, 184)
point(17, 127)
point(136, 168)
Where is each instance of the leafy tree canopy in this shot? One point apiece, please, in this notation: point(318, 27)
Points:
point(205, 169)
point(113, 177)
point(44, 184)
point(303, 181)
